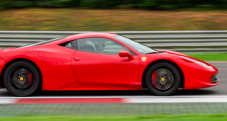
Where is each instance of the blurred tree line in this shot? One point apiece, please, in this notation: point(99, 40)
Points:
point(108, 4)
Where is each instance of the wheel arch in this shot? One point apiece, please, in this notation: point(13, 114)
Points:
point(15, 60)
point(159, 61)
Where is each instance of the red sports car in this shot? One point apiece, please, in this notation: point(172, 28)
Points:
point(100, 61)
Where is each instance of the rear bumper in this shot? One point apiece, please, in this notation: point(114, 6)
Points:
point(2, 64)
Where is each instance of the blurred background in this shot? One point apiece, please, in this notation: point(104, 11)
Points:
point(116, 15)
point(195, 27)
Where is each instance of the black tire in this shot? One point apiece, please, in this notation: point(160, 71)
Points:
point(22, 78)
point(154, 79)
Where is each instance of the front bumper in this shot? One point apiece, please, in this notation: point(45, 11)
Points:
point(201, 78)
point(197, 76)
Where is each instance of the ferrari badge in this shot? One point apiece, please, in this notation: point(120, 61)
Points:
point(144, 58)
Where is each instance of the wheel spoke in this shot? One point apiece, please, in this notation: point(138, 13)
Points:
point(21, 80)
point(162, 79)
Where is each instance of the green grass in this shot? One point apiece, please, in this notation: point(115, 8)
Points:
point(210, 56)
point(66, 19)
point(164, 117)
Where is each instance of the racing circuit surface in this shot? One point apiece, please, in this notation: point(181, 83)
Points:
point(221, 89)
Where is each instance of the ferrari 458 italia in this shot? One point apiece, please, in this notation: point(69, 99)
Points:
point(100, 61)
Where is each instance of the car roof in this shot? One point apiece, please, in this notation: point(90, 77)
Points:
point(93, 34)
point(83, 35)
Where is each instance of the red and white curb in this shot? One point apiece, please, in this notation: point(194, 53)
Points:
point(146, 99)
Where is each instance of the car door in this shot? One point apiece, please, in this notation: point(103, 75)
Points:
point(97, 62)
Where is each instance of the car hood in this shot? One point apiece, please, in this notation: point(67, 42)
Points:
point(181, 54)
point(172, 52)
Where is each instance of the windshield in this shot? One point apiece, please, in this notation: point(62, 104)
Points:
point(135, 45)
point(44, 42)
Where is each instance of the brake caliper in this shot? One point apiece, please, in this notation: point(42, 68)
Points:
point(153, 79)
point(29, 79)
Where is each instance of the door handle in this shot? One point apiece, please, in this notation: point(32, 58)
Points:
point(76, 59)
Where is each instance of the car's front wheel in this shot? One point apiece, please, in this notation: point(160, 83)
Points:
point(21, 78)
point(163, 79)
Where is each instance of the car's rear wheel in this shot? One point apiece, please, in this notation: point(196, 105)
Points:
point(21, 78)
point(163, 79)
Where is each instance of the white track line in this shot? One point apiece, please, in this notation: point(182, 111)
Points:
point(135, 99)
point(178, 96)
point(151, 97)
point(6, 101)
point(176, 100)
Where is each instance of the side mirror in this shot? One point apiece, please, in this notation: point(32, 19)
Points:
point(126, 54)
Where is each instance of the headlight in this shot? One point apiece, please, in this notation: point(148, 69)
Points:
point(195, 61)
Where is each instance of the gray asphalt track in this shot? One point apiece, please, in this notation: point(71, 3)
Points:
point(221, 89)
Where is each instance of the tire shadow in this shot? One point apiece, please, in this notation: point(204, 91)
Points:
point(4, 93)
point(123, 93)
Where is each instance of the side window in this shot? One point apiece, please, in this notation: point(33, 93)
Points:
point(97, 45)
point(86, 45)
point(72, 45)
point(112, 48)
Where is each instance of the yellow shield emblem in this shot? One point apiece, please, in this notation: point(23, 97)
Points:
point(144, 58)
